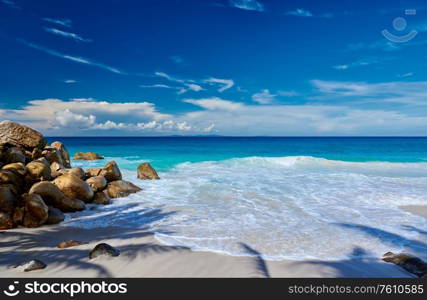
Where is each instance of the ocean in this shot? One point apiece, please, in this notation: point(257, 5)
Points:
point(287, 198)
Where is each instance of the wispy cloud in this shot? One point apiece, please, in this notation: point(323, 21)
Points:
point(76, 59)
point(264, 97)
point(247, 4)
point(299, 12)
point(62, 22)
point(178, 60)
point(70, 81)
point(225, 83)
point(359, 63)
point(66, 34)
point(10, 3)
point(215, 103)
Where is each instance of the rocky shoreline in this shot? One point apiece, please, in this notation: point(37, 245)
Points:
point(38, 184)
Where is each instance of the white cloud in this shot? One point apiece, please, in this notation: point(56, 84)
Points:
point(62, 22)
point(69, 81)
point(359, 63)
point(66, 34)
point(157, 86)
point(264, 97)
point(247, 5)
point(10, 3)
point(215, 103)
point(225, 83)
point(68, 119)
point(76, 59)
point(299, 12)
point(194, 87)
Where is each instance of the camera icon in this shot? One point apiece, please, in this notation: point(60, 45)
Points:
point(400, 24)
point(11, 290)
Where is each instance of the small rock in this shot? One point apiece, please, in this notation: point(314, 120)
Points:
point(147, 172)
point(36, 211)
point(6, 221)
point(121, 188)
point(111, 172)
point(101, 198)
point(18, 168)
point(97, 183)
point(8, 198)
point(65, 155)
point(73, 171)
point(92, 172)
point(408, 262)
point(87, 156)
point(55, 216)
point(14, 155)
point(103, 249)
point(31, 265)
point(70, 243)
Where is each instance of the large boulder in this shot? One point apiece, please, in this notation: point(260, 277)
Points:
point(38, 170)
point(6, 220)
point(87, 156)
point(52, 155)
point(8, 198)
point(74, 188)
point(111, 172)
point(19, 168)
point(36, 211)
point(73, 171)
point(92, 172)
point(121, 188)
point(53, 196)
point(55, 216)
point(101, 198)
point(65, 155)
point(147, 172)
point(20, 135)
point(97, 183)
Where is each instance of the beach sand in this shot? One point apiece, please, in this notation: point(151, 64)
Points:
point(143, 256)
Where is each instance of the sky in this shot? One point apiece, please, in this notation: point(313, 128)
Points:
point(215, 67)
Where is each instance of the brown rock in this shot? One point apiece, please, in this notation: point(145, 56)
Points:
point(73, 171)
point(74, 188)
point(53, 196)
point(20, 135)
point(36, 154)
point(19, 168)
point(54, 169)
point(121, 188)
point(9, 177)
point(52, 155)
point(146, 171)
point(101, 198)
point(14, 155)
point(8, 198)
point(31, 265)
point(36, 211)
point(6, 221)
point(97, 183)
point(70, 243)
point(55, 216)
point(93, 172)
point(87, 156)
point(38, 170)
point(65, 155)
point(408, 262)
point(111, 172)
point(18, 215)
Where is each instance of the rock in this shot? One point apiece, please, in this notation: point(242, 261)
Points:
point(55, 216)
point(36, 211)
point(20, 136)
point(87, 156)
point(53, 196)
point(55, 168)
point(74, 188)
point(8, 198)
point(103, 249)
point(6, 220)
point(73, 171)
point(31, 265)
point(15, 154)
point(97, 183)
point(70, 243)
point(65, 155)
point(18, 215)
point(36, 154)
point(92, 172)
point(38, 170)
point(410, 263)
point(121, 188)
point(101, 198)
point(52, 155)
point(19, 168)
point(9, 177)
point(111, 172)
point(146, 171)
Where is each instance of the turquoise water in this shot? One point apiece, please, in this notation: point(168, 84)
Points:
point(288, 198)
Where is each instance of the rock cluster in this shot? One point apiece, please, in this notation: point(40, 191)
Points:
point(87, 156)
point(38, 184)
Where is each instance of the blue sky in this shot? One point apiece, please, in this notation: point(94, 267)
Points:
point(222, 67)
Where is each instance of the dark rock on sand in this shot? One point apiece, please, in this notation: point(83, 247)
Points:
point(97, 183)
point(87, 156)
point(121, 188)
point(147, 172)
point(53, 196)
point(20, 136)
point(36, 211)
point(410, 263)
point(6, 220)
point(55, 216)
point(103, 249)
point(74, 188)
point(31, 265)
point(70, 243)
point(101, 198)
point(111, 172)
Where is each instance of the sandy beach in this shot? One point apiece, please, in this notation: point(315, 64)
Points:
point(143, 256)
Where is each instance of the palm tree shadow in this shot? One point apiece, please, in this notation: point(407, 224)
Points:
point(259, 262)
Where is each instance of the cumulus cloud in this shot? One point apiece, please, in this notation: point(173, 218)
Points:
point(247, 5)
